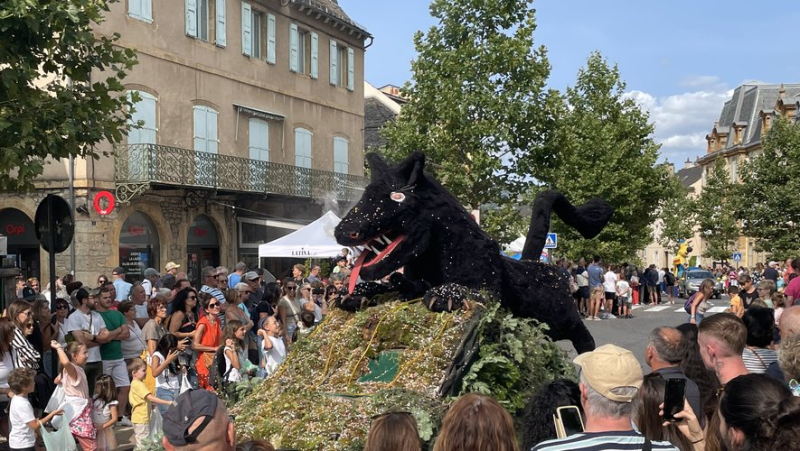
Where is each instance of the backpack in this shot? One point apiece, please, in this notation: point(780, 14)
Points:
point(669, 278)
point(688, 304)
point(217, 376)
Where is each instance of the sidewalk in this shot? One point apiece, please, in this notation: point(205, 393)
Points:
point(124, 439)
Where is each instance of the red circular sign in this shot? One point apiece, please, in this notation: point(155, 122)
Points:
point(109, 199)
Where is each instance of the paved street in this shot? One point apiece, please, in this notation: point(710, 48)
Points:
point(632, 333)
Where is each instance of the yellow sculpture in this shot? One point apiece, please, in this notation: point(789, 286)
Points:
point(681, 261)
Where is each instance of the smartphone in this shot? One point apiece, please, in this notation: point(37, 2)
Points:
point(568, 421)
point(674, 394)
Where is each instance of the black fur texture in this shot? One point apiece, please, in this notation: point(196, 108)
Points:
point(443, 244)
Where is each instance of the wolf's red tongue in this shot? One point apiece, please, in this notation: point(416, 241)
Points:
point(356, 269)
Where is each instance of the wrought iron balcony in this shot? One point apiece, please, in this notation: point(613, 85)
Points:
point(137, 166)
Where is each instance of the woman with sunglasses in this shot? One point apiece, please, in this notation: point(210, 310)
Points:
point(60, 318)
point(207, 338)
point(102, 280)
point(183, 324)
point(289, 309)
point(25, 355)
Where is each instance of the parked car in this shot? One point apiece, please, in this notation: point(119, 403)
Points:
point(692, 279)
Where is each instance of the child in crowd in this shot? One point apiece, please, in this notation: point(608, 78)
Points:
point(273, 349)
point(140, 399)
point(235, 352)
point(624, 297)
point(76, 392)
point(104, 412)
point(23, 422)
point(737, 307)
point(164, 365)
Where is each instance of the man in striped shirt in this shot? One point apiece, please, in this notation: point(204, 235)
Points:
point(609, 382)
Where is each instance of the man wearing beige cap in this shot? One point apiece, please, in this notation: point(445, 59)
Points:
point(609, 382)
point(172, 268)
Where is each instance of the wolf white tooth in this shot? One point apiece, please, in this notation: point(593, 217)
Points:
point(386, 239)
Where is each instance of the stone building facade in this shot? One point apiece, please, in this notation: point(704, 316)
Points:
point(252, 117)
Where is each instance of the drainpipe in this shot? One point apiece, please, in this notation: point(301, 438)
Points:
point(72, 206)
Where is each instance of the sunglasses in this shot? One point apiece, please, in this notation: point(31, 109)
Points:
point(62, 307)
point(213, 304)
point(305, 289)
point(291, 288)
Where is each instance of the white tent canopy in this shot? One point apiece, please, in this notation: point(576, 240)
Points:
point(312, 241)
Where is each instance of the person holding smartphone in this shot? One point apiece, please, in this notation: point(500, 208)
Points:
point(609, 382)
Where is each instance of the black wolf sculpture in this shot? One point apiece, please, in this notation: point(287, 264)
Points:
point(407, 219)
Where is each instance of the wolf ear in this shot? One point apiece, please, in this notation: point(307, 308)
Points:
point(412, 167)
point(377, 166)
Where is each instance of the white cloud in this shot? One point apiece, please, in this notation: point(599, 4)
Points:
point(700, 81)
point(683, 120)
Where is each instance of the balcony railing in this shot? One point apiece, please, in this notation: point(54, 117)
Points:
point(157, 164)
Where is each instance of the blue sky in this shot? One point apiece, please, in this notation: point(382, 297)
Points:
point(680, 58)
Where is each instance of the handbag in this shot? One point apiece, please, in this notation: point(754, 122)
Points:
point(60, 439)
point(56, 400)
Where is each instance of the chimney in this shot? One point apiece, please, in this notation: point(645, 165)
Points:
point(688, 164)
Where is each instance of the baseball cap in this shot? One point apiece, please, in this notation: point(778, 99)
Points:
point(189, 406)
point(251, 275)
point(609, 367)
point(117, 271)
point(28, 294)
point(151, 272)
point(773, 263)
point(171, 265)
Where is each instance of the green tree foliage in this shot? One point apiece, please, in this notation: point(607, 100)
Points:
point(476, 103)
point(60, 90)
point(769, 205)
point(716, 214)
point(605, 149)
point(677, 214)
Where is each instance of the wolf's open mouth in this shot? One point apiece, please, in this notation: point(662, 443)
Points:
point(375, 250)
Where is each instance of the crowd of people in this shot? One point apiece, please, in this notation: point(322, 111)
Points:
point(118, 349)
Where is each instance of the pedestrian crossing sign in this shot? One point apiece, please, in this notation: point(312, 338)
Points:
point(552, 241)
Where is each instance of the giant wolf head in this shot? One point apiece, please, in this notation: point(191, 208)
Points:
point(393, 219)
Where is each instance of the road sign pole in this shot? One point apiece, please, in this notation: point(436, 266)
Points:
point(51, 238)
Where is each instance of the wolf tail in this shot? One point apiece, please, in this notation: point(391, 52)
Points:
point(588, 219)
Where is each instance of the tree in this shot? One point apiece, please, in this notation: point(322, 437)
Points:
point(476, 102)
point(677, 214)
point(716, 214)
point(60, 90)
point(605, 149)
point(769, 206)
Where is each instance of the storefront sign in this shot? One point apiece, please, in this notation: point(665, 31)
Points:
point(14, 229)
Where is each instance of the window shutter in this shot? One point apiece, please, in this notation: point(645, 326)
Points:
point(351, 69)
point(147, 107)
point(191, 18)
point(134, 137)
point(270, 39)
point(334, 63)
point(199, 129)
point(340, 162)
point(211, 116)
point(293, 42)
point(314, 56)
point(220, 38)
point(147, 9)
point(247, 29)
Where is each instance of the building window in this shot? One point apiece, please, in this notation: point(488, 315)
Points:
point(141, 10)
point(205, 129)
point(205, 20)
point(258, 34)
point(259, 140)
point(734, 169)
point(144, 114)
point(342, 66)
point(302, 148)
point(303, 51)
point(340, 162)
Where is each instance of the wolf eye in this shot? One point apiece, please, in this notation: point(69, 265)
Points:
point(398, 197)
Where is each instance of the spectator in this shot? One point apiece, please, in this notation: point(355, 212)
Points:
point(236, 276)
point(771, 272)
point(647, 419)
point(289, 309)
point(272, 293)
point(792, 290)
point(60, 319)
point(139, 298)
point(141, 399)
point(652, 285)
point(297, 274)
point(6, 366)
point(111, 351)
point(609, 381)
point(105, 412)
point(595, 301)
point(155, 328)
point(760, 413)
point(198, 420)
point(207, 338)
point(610, 288)
point(272, 346)
point(669, 284)
point(341, 268)
point(663, 355)
point(151, 282)
point(748, 292)
point(314, 276)
point(222, 278)
point(393, 431)
point(790, 322)
point(73, 378)
point(132, 346)
point(537, 422)
point(765, 290)
point(164, 365)
point(582, 280)
point(789, 360)
point(44, 321)
point(34, 284)
point(122, 287)
point(236, 297)
point(209, 277)
point(88, 328)
point(183, 324)
point(24, 423)
point(171, 268)
point(693, 367)
point(624, 308)
point(698, 302)
point(476, 422)
point(595, 273)
point(757, 355)
point(737, 306)
point(234, 351)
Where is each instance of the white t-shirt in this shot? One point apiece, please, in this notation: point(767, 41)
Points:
point(6, 366)
point(141, 310)
point(610, 282)
point(233, 373)
point(79, 321)
point(623, 288)
point(134, 344)
point(167, 379)
point(275, 356)
point(19, 415)
point(101, 411)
